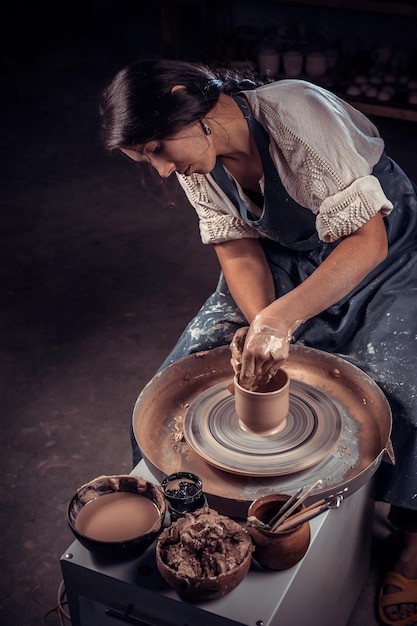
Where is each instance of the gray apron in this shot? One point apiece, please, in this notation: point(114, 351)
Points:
point(374, 327)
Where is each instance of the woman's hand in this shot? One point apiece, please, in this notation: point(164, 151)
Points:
point(258, 351)
point(265, 346)
point(236, 348)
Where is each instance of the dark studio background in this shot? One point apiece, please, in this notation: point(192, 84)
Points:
point(99, 277)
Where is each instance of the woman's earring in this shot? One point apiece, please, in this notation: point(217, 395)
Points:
point(205, 128)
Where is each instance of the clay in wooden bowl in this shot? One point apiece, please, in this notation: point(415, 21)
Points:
point(204, 555)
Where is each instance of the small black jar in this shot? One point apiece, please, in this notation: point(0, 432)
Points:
point(184, 494)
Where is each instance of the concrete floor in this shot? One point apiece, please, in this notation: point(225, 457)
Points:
point(98, 280)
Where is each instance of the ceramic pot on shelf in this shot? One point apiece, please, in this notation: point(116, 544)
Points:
point(268, 62)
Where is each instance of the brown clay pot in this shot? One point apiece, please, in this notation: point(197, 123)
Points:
point(277, 550)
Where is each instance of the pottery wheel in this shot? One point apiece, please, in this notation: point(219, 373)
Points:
point(312, 428)
point(338, 397)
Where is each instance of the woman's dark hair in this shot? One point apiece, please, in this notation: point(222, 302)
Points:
point(139, 105)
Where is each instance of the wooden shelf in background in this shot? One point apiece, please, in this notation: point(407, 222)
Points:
point(384, 110)
point(376, 6)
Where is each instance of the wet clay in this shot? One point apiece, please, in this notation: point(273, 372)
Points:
point(117, 516)
point(204, 555)
point(265, 410)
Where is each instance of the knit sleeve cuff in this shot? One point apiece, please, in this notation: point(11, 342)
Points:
point(342, 214)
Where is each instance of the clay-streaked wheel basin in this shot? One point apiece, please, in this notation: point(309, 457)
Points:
point(158, 422)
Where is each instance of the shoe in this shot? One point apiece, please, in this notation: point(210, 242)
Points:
point(407, 594)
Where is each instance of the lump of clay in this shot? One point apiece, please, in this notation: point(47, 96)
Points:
point(204, 544)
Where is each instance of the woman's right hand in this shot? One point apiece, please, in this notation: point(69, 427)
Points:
point(258, 351)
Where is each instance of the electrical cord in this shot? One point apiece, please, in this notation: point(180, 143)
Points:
point(59, 609)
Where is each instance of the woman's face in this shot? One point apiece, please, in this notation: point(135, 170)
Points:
point(189, 151)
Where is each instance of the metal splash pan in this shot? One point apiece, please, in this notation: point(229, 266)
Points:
point(175, 429)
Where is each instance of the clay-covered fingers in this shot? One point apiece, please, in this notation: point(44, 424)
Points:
point(236, 348)
point(263, 355)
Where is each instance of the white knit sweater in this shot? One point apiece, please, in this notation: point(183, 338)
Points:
point(324, 151)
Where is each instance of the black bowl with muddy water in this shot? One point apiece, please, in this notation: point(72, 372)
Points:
point(117, 517)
